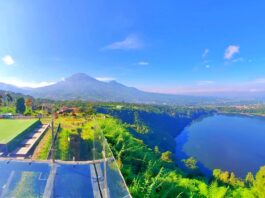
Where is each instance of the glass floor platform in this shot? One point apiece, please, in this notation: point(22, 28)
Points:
point(25, 178)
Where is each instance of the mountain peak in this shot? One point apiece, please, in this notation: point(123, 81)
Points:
point(80, 86)
point(113, 82)
point(80, 77)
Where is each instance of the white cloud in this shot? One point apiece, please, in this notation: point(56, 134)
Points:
point(205, 82)
point(207, 66)
point(8, 60)
point(20, 83)
point(130, 42)
point(143, 63)
point(205, 53)
point(105, 79)
point(230, 51)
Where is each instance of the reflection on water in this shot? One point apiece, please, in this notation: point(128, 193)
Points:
point(233, 143)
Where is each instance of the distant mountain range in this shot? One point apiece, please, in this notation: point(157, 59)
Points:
point(83, 87)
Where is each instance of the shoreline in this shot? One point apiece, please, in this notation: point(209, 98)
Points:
point(207, 172)
point(241, 114)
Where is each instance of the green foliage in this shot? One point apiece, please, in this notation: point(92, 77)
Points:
point(156, 149)
point(139, 124)
point(13, 102)
point(259, 183)
point(28, 112)
point(166, 156)
point(7, 109)
point(1, 100)
point(249, 179)
point(46, 147)
point(147, 175)
point(250, 109)
point(156, 125)
point(190, 163)
point(63, 147)
point(216, 192)
point(227, 178)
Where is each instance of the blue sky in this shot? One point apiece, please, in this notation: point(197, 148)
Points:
point(166, 46)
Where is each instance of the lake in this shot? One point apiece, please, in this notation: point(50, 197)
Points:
point(228, 142)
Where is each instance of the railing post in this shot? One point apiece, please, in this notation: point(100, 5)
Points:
point(93, 149)
point(105, 169)
point(53, 156)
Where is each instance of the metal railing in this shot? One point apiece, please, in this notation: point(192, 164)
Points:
point(55, 177)
point(109, 179)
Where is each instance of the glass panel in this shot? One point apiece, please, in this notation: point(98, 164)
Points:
point(111, 180)
point(97, 176)
point(23, 179)
point(45, 179)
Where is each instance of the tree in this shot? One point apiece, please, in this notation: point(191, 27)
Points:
point(227, 178)
point(216, 191)
point(217, 173)
point(20, 105)
point(232, 179)
point(9, 98)
point(156, 149)
point(190, 163)
point(28, 102)
point(259, 183)
point(1, 100)
point(249, 179)
point(166, 156)
point(224, 177)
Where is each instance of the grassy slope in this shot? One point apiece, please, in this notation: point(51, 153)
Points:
point(11, 128)
point(42, 149)
point(69, 130)
point(148, 175)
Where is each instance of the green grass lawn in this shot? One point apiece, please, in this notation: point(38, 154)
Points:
point(11, 128)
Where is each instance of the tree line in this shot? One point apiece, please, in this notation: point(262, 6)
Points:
point(13, 104)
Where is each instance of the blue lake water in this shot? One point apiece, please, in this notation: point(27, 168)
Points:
point(228, 142)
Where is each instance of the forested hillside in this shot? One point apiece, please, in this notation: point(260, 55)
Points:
point(151, 173)
point(155, 125)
